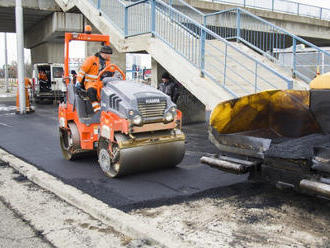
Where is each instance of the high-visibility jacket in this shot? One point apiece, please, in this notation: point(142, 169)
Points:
point(27, 84)
point(90, 70)
point(43, 76)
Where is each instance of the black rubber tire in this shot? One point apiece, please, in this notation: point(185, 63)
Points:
point(105, 159)
point(67, 151)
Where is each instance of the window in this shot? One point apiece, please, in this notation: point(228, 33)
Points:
point(57, 72)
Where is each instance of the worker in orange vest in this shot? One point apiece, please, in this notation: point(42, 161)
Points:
point(43, 76)
point(27, 85)
point(43, 81)
point(88, 75)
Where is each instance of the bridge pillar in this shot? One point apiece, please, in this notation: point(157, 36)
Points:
point(192, 109)
point(156, 72)
point(46, 39)
point(50, 52)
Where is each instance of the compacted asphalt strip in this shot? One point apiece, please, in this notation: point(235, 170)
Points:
point(34, 138)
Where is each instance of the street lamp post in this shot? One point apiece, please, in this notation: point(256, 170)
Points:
point(6, 64)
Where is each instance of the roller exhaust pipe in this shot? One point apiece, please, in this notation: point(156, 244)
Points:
point(315, 187)
point(227, 166)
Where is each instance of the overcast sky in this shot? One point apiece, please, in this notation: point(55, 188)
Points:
point(77, 49)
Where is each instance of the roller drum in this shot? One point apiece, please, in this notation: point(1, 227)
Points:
point(150, 157)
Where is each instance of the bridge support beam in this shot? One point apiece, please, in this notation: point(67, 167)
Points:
point(50, 52)
point(46, 39)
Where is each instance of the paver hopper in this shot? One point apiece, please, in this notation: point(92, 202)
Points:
point(278, 136)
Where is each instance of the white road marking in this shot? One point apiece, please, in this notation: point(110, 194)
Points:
point(4, 124)
point(7, 108)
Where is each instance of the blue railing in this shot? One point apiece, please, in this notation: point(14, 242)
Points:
point(237, 72)
point(300, 57)
point(283, 6)
point(112, 10)
point(304, 59)
point(140, 11)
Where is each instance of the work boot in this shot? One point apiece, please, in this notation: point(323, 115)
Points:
point(29, 110)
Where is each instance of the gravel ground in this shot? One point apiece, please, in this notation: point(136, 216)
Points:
point(16, 233)
point(243, 215)
point(246, 215)
point(50, 221)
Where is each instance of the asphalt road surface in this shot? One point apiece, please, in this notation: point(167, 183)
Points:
point(34, 138)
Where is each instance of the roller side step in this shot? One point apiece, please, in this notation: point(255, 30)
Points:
point(229, 164)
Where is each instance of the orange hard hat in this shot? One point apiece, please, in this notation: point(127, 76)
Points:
point(88, 29)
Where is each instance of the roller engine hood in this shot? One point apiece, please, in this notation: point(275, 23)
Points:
point(123, 96)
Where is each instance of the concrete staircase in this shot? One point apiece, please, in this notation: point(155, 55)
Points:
point(210, 90)
point(240, 70)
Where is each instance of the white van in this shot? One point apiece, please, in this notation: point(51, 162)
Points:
point(53, 88)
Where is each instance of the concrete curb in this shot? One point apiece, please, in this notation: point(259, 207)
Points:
point(119, 220)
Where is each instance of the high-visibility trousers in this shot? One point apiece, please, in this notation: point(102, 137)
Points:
point(27, 100)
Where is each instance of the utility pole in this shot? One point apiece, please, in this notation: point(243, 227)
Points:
point(6, 64)
point(20, 56)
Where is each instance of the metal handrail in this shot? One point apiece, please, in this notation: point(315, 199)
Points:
point(226, 42)
point(259, 19)
point(321, 10)
point(136, 3)
point(239, 37)
point(157, 10)
point(187, 5)
point(277, 32)
point(220, 12)
point(284, 31)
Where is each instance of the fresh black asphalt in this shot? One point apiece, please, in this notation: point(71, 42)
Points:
point(34, 138)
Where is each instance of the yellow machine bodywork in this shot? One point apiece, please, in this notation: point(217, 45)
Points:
point(321, 82)
point(283, 112)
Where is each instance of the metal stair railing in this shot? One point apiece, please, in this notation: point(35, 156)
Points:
point(282, 6)
point(112, 10)
point(212, 54)
point(304, 59)
point(213, 66)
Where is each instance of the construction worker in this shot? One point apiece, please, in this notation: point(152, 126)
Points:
point(88, 74)
point(74, 76)
point(169, 87)
point(43, 81)
point(27, 85)
point(43, 76)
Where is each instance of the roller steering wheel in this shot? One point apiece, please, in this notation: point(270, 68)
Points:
point(111, 68)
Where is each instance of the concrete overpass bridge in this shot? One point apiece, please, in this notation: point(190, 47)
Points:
point(304, 20)
point(44, 27)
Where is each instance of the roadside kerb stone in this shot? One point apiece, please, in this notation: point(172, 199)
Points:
point(119, 220)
